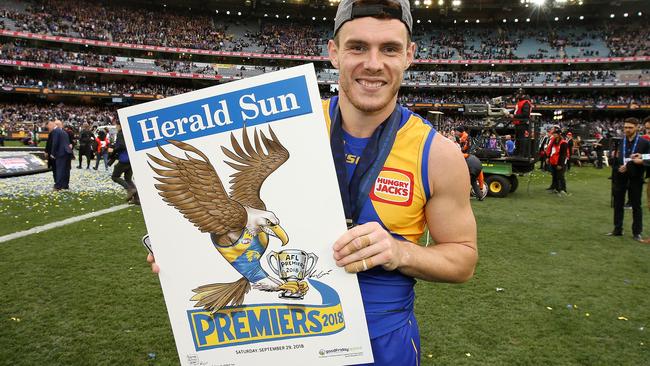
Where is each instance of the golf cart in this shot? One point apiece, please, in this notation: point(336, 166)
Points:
point(500, 171)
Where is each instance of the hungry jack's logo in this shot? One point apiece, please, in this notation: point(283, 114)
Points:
point(393, 186)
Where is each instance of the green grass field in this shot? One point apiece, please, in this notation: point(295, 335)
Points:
point(17, 143)
point(549, 289)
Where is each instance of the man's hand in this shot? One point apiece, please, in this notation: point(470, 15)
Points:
point(636, 158)
point(622, 169)
point(367, 246)
point(152, 261)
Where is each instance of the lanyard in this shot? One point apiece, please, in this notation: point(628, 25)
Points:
point(370, 164)
point(636, 140)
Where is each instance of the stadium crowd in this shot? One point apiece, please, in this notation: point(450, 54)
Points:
point(17, 51)
point(94, 20)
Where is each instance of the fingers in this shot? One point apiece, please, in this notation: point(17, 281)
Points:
point(362, 265)
point(354, 233)
point(355, 245)
point(152, 261)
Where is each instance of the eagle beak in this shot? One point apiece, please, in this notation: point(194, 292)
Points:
point(280, 233)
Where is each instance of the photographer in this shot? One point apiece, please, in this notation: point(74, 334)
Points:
point(520, 120)
point(118, 152)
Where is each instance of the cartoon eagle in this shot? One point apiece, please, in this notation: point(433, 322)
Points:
point(239, 225)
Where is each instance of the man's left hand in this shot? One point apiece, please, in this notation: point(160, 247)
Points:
point(366, 246)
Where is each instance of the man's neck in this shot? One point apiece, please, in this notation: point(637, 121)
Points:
point(359, 123)
point(630, 138)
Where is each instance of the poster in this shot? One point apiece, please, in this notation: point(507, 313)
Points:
point(241, 202)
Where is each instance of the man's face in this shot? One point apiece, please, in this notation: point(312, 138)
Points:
point(629, 129)
point(371, 56)
point(647, 128)
point(51, 126)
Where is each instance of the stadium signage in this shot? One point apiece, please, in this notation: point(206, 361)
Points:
point(216, 114)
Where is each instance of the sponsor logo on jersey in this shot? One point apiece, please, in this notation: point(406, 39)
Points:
point(393, 186)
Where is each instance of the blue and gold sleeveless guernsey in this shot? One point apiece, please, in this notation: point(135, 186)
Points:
point(396, 201)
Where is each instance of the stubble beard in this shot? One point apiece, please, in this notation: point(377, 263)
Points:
point(373, 106)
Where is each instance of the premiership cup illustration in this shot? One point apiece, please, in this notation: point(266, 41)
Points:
point(292, 265)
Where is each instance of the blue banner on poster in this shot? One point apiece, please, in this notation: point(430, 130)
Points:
point(221, 113)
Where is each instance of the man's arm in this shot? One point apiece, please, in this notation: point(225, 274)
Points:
point(449, 218)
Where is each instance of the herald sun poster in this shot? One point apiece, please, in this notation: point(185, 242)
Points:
point(241, 203)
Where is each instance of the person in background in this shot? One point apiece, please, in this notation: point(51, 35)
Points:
point(598, 148)
point(521, 120)
point(462, 137)
point(627, 177)
point(61, 154)
point(558, 155)
point(102, 142)
point(86, 138)
point(123, 167)
point(570, 143)
point(510, 146)
point(3, 134)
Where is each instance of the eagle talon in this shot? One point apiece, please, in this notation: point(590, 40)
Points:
point(294, 287)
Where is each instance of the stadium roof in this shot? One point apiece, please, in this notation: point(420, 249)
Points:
point(437, 10)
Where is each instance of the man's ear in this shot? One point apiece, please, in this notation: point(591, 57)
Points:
point(410, 54)
point(333, 53)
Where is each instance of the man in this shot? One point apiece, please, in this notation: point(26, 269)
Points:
point(60, 151)
point(3, 132)
point(510, 146)
point(570, 143)
point(646, 136)
point(118, 152)
point(475, 168)
point(521, 119)
point(462, 138)
point(543, 144)
point(371, 49)
point(85, 145)
point(598, 148)
point(627, 176)
point(558, 152)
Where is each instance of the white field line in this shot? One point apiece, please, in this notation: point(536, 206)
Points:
point(67, 221)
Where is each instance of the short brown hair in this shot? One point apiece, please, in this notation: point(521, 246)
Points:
point(632, 120)
point(646, 120)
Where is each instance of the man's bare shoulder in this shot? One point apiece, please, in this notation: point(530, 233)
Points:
point(446, 164)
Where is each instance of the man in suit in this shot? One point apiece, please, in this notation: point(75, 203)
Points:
point(627, 177)
point(61, 153)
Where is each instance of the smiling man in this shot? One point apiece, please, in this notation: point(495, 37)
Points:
point(396, 176)
point(378, 145)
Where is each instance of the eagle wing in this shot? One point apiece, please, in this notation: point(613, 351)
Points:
point(253, 166)
point(193, 187)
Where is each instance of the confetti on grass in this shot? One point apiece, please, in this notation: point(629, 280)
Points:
point(81, 181)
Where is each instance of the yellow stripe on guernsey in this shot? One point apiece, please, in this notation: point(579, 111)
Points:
point(400, 193)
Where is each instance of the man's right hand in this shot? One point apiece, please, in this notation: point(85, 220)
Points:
point(152, 261)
